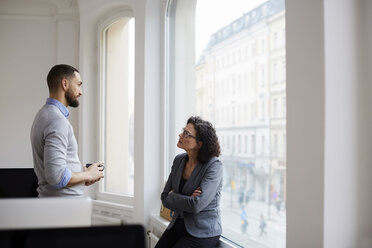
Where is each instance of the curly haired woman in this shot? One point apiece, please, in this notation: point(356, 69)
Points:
point(193, 189)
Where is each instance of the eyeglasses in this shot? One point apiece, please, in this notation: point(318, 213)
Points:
point(187, 134)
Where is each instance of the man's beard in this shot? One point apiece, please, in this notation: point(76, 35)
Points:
point(71, 99)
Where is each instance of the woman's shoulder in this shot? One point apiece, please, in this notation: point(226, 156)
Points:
point(212, 164)
point(214, 160)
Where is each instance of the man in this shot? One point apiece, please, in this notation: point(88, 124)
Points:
point(54, 147)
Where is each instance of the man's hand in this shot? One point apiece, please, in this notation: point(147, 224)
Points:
point(91, 182)
point(94, 173)
point(89, 176)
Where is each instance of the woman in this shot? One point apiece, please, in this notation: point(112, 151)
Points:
point(193, 189)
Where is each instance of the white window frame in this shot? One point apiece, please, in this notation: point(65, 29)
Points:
point(109, 19)
point(179, 75)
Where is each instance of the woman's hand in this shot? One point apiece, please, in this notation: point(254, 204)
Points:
point(197, 192)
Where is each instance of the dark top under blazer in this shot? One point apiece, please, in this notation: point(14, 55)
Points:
point(201, 214)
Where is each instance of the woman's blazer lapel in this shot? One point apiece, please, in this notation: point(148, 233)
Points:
point(192, 182)
point(196, 177)
point(178, 175)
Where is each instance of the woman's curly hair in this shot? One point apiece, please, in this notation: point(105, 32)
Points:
point(205, 133)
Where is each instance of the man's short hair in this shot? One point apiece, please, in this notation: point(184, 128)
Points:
point(57, 73)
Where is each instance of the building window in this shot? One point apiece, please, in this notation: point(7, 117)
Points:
point(239, 144)
point(275, 108)
point(245, 118)
point(253, 111)
point(246, 144)
point(261, 76)
point(275, 74)
point(262, 110)
point(263, 145)
point(275, 40)
point(253, 144)
point(275, 145)
point(117, 107)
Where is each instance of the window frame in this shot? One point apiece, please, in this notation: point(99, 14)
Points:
point(105, 23)
point(177, 74)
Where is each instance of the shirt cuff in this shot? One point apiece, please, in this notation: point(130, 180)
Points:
point(65, 179)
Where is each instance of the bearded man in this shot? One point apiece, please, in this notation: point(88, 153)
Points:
point(54, 147)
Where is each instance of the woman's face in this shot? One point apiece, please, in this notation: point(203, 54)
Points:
point(187, 140)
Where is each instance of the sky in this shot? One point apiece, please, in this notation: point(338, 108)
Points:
point(212, 15)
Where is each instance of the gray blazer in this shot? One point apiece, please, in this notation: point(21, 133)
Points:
point(201, 214)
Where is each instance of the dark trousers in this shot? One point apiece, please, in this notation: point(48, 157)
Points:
point(177, 237)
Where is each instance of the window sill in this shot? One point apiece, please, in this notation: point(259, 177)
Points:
point(116, 198)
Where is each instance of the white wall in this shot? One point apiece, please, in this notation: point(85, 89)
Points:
point(347, 204)
point(329, 118)
point(33, 37)
point(342, 117)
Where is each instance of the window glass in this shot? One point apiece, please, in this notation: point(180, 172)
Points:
point(117, 101)
point(237, 84)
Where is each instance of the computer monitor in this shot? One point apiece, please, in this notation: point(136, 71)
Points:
point(18, 182)
point(49, 212)
point(128, 236)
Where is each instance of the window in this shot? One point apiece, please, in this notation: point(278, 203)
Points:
point(262, 110)
point(275, 145)
point(253, 144)
point(263, 145)
point(239, 143)
point(284, 70)
point(275, 40)
point(117, 106)
point(240, 102)
point(261, 76)
point(246, 144)
point(275, 108)
point(253, 111)
point(275, 73)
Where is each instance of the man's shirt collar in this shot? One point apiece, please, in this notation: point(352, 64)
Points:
point(59, 105)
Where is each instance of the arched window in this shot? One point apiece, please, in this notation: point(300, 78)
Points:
point(117, 106)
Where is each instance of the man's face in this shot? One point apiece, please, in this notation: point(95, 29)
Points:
point(74, 90)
